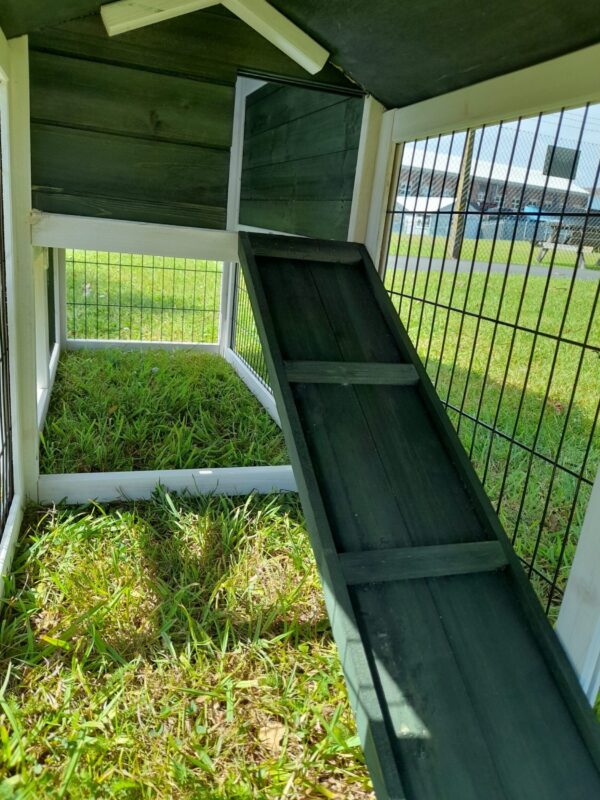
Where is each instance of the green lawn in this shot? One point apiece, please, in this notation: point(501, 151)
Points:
point(172, 650)
point(111, 411)
point(149, 298)
point(468, 342)
point(502, 251)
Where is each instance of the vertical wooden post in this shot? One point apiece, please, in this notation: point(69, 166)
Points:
point(365, 169)
point(578, 625)
point(243, 88)
point(60, 283)
point(20, 277)
point(382, 189)
point(463, 192)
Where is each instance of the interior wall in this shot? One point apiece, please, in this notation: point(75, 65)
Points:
point(138, 127)
point(299, 163)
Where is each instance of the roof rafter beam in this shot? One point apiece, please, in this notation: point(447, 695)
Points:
point(127, 15)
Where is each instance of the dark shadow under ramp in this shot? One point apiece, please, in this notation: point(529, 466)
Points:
point(460, 688)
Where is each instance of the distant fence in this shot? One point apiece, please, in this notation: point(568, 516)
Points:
point(119, 296)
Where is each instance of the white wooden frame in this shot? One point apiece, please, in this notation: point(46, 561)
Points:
point(566, 82)
point(16, 193)
point(105, 487)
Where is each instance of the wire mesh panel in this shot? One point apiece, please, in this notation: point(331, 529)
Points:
point(6, 454)
point(118, 296)
point(493, 262)
point(245, 339)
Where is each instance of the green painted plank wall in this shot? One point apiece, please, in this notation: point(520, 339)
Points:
point(300, 152)
point(138, 127)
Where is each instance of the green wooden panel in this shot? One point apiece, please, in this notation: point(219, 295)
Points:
point(411, 563)
point(326, 177)
point(136, 209)
point(78, 93)
point(347, 372)
point(206, 44)
point(466, 681)
point(334, 128)
point(323, 218)
point(274, 106)
point(98, 165)
point(300, 153)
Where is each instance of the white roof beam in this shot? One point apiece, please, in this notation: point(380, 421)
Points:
point(281, 32)
point(128, 15)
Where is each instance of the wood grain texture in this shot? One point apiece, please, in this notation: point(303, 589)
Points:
point(300, 153)
point(411, 563)
point(75, 93)
point(469, 676)
point(348, 372)
point(97, 165)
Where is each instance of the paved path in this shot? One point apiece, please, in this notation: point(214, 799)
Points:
point(465, 266)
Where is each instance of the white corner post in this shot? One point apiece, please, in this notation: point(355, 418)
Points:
point(21, 275)
point(365, 169)
point(578, 625)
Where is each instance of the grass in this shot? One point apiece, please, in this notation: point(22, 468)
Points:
point(501, 251)
point(115, 411)
point(173, 649)
point(446, 337)
point(144, 298)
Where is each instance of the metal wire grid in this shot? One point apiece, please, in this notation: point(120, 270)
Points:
point(50, 289)
point(245, 339)
point(491, 264)
point(119, 296)
point(6, 453)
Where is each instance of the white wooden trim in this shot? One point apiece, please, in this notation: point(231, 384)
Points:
point(382, 182)
point(281, 32)
point(129, 15)
point(42, 357)
point(365, 169)
point(132, 344)
point(243, 87)
point(568, 81)
point(578, 625)
point(60, 283)
point(20, 272)
point(258, 389)
point(46, 393)
point(106, 487)
point(140, 238)
point(8, 542)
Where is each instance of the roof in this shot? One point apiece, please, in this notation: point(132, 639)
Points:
point(401, 51)
point(429, 204)
point(487, 170)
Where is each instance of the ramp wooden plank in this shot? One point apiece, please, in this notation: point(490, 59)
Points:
point(350, 372)
point(410, 563)
point(467, 684)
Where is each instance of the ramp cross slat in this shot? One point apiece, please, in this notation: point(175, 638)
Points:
point(409, 563)
point(459, 686)
point(346, 372)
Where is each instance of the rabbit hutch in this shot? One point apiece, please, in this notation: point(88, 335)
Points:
point(299, 399)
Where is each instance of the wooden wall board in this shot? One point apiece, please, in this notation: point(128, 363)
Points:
point(466, 670)
point(111, 117)
point(300, 153)
point(76, 93)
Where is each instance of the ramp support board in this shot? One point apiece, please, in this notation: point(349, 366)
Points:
point(460, 688)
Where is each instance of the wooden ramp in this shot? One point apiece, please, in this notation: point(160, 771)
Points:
point(460, 689)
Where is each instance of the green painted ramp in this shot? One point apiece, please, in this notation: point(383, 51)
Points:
point(460, 688)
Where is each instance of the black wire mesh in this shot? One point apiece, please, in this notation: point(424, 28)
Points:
point(493, 262)
point(118, 296)
point(6, 450)
point(245, 340)
point(50, 292)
